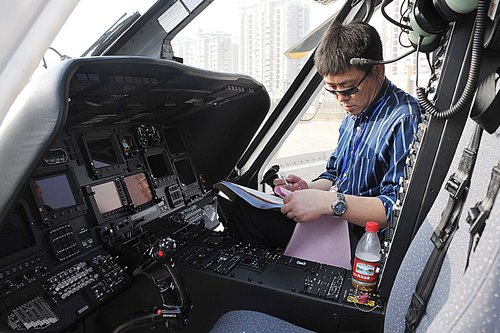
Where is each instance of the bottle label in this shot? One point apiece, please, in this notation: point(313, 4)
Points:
point(365, 271)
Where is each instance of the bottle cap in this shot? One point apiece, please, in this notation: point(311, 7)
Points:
point(371, 226)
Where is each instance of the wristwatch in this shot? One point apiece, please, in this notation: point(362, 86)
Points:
point(339, 206)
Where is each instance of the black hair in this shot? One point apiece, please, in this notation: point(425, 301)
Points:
point(341, 43)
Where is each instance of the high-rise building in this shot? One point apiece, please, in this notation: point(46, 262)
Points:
point(255, 46)
point(212, 51)
point(268, 29)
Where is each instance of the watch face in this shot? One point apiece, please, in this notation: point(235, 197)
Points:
point(340, 208)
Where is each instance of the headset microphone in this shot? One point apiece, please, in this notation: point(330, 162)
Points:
point(364, 61)
point(369, 62)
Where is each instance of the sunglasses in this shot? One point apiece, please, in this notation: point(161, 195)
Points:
point(348, 91)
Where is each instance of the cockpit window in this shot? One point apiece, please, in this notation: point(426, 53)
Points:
point(89, 21)
point(256, 38)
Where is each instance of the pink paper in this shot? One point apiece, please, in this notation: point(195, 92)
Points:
point(325, 240)
point(282, 192)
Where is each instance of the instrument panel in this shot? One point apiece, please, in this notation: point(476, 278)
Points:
point(92, 190)
point(107, 149)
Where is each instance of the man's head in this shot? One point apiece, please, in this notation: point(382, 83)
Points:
point(341, 43)
point(354, 86)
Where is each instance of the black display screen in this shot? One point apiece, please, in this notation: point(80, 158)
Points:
point(102, 152)
point(15, 232)
point(174, 140)
point(54, 192)
point(185, 172)
point(159, 166)
point(138, 189)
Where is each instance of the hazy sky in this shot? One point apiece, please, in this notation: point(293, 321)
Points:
point(91, 18)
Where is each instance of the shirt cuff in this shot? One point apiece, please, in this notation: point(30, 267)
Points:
point(326, 175)
point(388, 205)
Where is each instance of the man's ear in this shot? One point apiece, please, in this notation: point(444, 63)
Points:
point(379, 71)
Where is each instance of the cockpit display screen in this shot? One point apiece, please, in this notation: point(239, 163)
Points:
point(138, 189)
point(102, 152)
point(54, 192)
point(185, 172)
point(107, 197)
point(159, 166)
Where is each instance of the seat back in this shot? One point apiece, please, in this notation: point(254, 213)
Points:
point(460, 302)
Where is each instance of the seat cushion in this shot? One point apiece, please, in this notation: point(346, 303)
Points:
point(246, 321)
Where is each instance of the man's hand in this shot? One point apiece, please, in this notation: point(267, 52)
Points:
point(295, 183)
point(307, 205)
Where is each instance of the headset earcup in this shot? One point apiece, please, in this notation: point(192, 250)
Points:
point(453, 10)
point(427, 18)
point(428, 44)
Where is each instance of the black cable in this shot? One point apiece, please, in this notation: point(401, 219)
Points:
point(401, 12)
point(135, 322)
point(404, 55)
point(428, 56)
point(390, 19)
point(400, 39)
point(475, 65)
point(404, 15)
point(124, 327)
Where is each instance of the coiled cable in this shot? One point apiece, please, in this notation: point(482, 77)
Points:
point(475, 65)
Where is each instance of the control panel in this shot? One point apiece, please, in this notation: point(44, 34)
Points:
point(39, 298)
point(220, 254)
point(93, 190)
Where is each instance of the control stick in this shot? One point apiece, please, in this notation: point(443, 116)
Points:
point(158, 266)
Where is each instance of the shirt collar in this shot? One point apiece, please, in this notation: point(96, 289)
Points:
point(369, 110)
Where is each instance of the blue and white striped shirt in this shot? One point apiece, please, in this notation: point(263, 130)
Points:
point(372, 147)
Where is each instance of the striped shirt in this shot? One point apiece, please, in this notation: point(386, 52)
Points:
point(372, 147)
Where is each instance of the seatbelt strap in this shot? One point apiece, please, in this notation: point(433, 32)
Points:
point(458, 186)
point(485, 113)
point(478, 214)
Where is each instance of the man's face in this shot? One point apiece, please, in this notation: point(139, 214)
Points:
point(355, 89)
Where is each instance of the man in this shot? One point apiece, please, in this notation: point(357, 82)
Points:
point(361, 178)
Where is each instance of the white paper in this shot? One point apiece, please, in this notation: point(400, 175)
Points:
point(255, 198)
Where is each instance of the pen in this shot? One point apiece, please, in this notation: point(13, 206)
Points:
point(283, 176)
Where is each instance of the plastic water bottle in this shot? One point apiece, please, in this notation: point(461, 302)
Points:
point(367, 258)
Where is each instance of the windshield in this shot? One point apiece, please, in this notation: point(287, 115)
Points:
point(87, 23)
point(253, 37)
